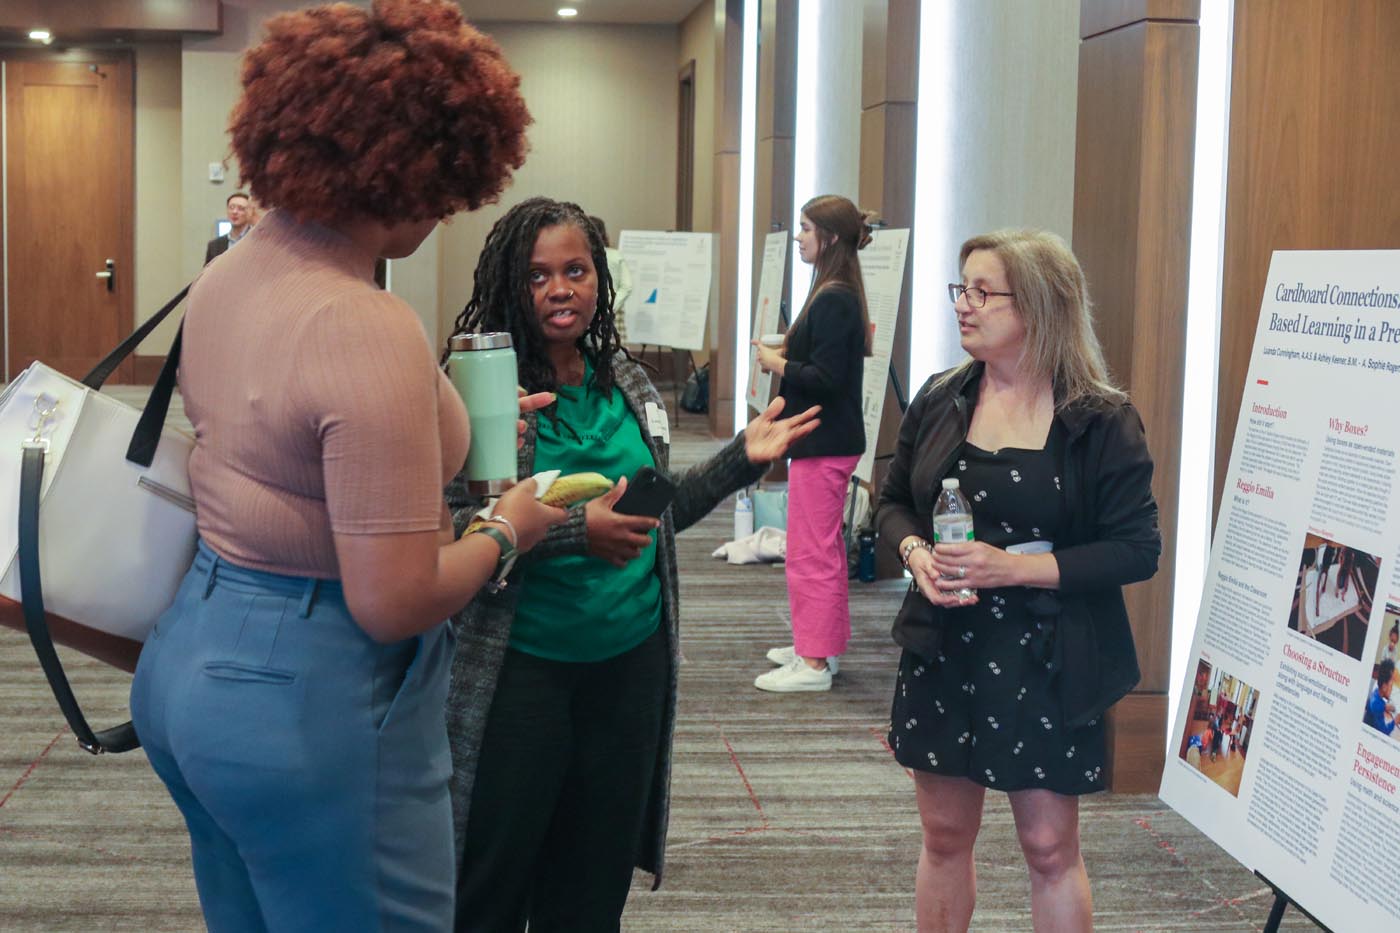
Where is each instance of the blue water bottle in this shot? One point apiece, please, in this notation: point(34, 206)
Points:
point(866, 564)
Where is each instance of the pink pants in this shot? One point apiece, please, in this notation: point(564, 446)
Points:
point(816, 555)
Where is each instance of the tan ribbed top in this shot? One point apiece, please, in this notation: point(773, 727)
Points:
point(317, 403)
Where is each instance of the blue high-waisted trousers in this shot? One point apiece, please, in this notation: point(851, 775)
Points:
point(309, 761)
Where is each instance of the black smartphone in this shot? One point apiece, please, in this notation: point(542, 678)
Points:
point(648, 493)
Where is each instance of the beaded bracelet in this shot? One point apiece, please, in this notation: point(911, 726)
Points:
point(909, 549)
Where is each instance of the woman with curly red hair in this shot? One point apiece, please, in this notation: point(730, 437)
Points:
point(292, 699)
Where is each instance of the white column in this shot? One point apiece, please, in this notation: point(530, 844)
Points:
point(827, 140)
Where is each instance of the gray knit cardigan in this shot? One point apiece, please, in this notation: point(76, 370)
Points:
point(483, 626)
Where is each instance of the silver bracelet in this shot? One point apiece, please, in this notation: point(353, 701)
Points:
point(910, 548)
point(514, 538)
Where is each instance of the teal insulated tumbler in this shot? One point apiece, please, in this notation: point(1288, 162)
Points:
point(482, 368)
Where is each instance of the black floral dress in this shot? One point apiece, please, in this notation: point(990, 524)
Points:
point(986, 708)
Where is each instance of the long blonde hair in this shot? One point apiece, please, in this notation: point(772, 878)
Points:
point(1052, 298)
point(843, 230)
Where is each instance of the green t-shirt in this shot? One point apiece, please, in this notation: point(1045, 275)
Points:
point(577, 607)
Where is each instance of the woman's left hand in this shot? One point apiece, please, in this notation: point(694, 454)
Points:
point(975, 564)
point(770, 359)
point(530, 403)
point(767, 439)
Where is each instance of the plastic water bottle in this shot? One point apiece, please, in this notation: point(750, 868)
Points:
point(952, 521)
point(743, 516)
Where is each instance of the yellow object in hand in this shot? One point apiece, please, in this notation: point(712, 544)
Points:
point(567, 490)
point(563, 492)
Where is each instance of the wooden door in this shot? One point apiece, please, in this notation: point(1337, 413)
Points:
point(68, 208)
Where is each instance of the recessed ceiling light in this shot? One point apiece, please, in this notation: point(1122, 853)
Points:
point(41, 35)
point(568, 11)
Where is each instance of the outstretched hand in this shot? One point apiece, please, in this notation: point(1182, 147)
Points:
point(766, 438)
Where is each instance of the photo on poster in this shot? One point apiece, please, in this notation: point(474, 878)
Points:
point(1334, 593)
point(1381, 698)
point(1215, 740)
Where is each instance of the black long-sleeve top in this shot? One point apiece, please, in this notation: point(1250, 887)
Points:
point(826, 366)
point(1110, 538)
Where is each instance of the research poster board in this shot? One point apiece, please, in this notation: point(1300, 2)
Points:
point(670, 298)
point(882, 269)
point(1284, 749)
point(767, 315)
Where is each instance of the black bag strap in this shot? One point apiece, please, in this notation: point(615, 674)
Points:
point(146, 437)
point(111, 361)
point(119, 739)
point(142, 449)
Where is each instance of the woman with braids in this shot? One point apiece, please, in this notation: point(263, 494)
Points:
point(822, 361)
point(292, 698)
point(564, 683)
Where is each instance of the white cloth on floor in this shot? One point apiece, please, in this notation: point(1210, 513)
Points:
point(764, 545)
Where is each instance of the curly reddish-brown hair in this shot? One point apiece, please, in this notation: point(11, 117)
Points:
point(402, 112)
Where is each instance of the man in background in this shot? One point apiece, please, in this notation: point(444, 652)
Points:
point(240, 213)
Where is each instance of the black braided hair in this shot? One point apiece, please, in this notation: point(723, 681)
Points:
point(501, 298)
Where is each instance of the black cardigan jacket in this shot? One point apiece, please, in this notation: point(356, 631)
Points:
point(1110, 535)
point(825, 366)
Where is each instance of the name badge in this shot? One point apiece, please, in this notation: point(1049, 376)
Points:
point(658, 422)
point(1031, 547)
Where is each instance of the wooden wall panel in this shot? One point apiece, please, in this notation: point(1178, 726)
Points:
point(1100, 16)
point(1132, 211)
point(1314, 158)
point(729, 55)
point(71, 20)
point(777, 127)
point(888, 139)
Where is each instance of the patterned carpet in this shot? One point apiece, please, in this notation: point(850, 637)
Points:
point(789, 812)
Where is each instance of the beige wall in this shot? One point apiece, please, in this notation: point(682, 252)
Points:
point(604, 103)
point(209, 79)
point(697, 42)
point(210, 82)
point(159, 271)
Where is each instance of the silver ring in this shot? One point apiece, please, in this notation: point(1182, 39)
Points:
point(962, 571)
point(570, 294)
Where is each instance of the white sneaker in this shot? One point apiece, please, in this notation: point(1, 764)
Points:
point(794, 677)
point(786, 655)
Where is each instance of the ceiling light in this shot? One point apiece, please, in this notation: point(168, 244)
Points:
point(568, 11)
point(41, 35)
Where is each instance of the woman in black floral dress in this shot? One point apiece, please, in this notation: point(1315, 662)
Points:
point(1006, 689)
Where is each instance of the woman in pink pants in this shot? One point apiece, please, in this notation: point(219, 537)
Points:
point(821, 363)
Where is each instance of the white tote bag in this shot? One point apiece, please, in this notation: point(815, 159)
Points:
point(98, 522)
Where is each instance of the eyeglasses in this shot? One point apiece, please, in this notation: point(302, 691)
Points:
point(976, 297)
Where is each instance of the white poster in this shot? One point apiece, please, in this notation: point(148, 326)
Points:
point(1284, 750)
point(670, 287)
point(882, 268)
point(767, 318)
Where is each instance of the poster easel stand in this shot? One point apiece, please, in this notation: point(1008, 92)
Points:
point(682, 365)
point(1281, 902)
